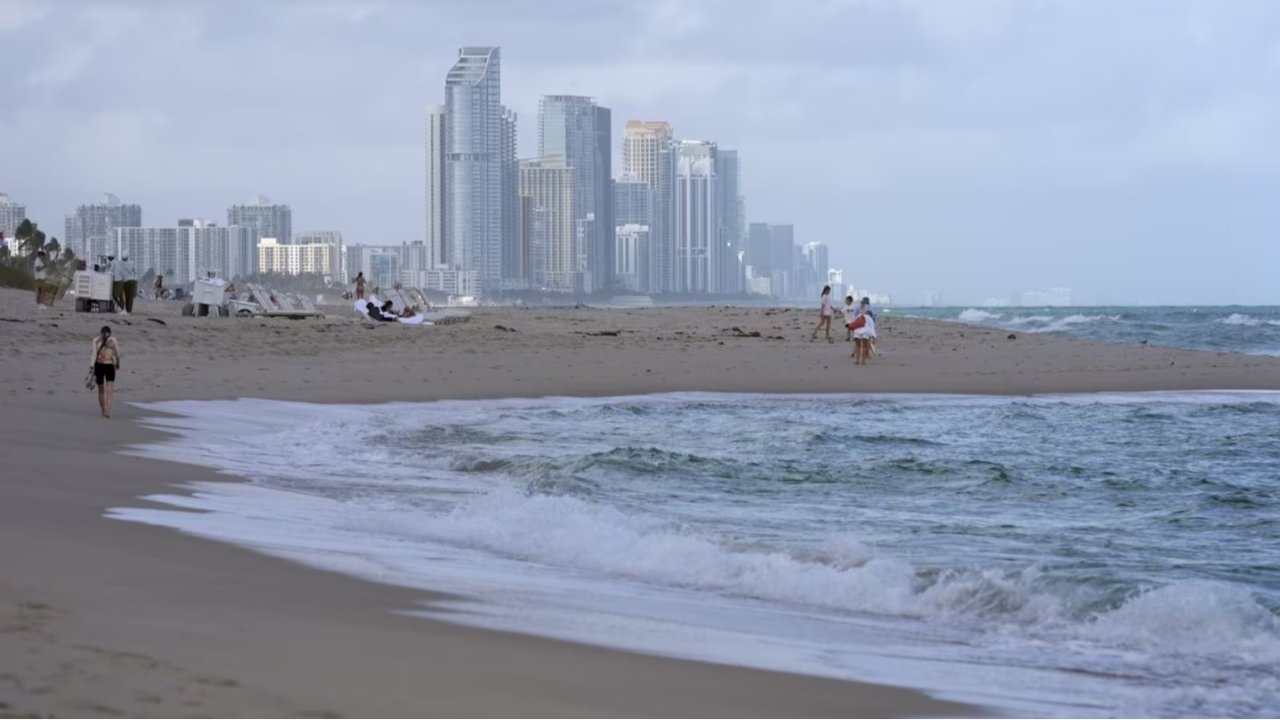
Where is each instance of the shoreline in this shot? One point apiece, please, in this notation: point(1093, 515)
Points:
point(115, 616)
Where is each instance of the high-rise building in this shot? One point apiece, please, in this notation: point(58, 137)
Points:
point(606, 223)
point(336, 265)
point(91, 231)
point(759, 250)
point(512, 263)
point(183, 254)
point(633, 206)
point(550, 183)
point(697, 219)
point(11, 215)
point(641, 143)
point(813, 272)
point(436, 222)
point(576, 129)
point(479, 148)
point(300, 258)
point(268, 220)
point(728, 175)
point(647, 153)
point(534, 231)
point(785, 256)
point(632, 245)
point(633, 201)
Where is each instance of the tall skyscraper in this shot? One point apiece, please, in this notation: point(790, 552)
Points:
point(606, 224)
point(647, 153)
point(11, 215)
point(91, 231)
point(436, 222)
point(817, 263)
point(784, 255)
point(267, 220)
point(633, 208)
point(728, 174)
point(550, 184)
point(477, 132)
point(570, 126)
point(697, 219)
point(641, 142)
point(512, 263)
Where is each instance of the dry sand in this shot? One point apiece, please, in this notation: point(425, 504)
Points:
point(102, 617)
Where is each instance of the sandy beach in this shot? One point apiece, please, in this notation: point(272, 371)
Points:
point(104, 618)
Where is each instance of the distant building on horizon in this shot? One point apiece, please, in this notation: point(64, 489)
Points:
point(697, 219)
point(813, 273)
point(11, 216)
point(549, 183)
point(436, 222)
point(575, 128)
point(183, 254)
point(648, 155)
point(91, 230)
point(479, 201)
point(633, 206)
point(1053, 297)
point(732, 214)
point(336, 265)
point(301, 258)
point(771, 253)
point(267, 219)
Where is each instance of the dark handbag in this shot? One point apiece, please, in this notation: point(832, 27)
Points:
point(89, 380)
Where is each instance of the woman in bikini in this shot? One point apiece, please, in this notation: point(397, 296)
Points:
point(106, 360)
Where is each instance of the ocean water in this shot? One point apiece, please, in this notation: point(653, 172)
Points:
point(1093, 555)
point(1253, 330)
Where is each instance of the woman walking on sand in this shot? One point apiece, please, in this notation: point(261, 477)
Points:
point(360, 285)
point(824, 315)
point(106, 360)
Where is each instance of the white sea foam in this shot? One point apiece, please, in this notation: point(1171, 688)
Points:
point(588, 553)
point(1247, 320)
point(974, 315)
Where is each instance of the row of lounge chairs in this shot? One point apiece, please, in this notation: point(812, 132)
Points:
point(282, 304)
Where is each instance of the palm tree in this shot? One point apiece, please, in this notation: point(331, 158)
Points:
point(30, 238)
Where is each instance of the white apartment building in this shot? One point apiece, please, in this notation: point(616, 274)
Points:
point(299, 259)
point(549, 182)
point(183, 254)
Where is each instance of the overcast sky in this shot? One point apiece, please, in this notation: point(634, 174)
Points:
point(1128, 150)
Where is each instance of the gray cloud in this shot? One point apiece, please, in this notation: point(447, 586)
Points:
point(1126, 149)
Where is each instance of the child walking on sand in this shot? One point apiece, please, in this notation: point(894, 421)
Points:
point(824, 315)
point(850, 312)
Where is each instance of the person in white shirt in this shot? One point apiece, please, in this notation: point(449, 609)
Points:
point(864, 335)
point(850, 312)
point(129, 276)
point(41, 270)
point(117, 283)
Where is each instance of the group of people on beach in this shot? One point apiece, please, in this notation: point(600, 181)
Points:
point(859, 323)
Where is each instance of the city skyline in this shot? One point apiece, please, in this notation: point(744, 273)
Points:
point(1134, 174)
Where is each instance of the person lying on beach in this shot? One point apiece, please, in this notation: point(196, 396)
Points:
point(409, 312)
point(386, 313)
